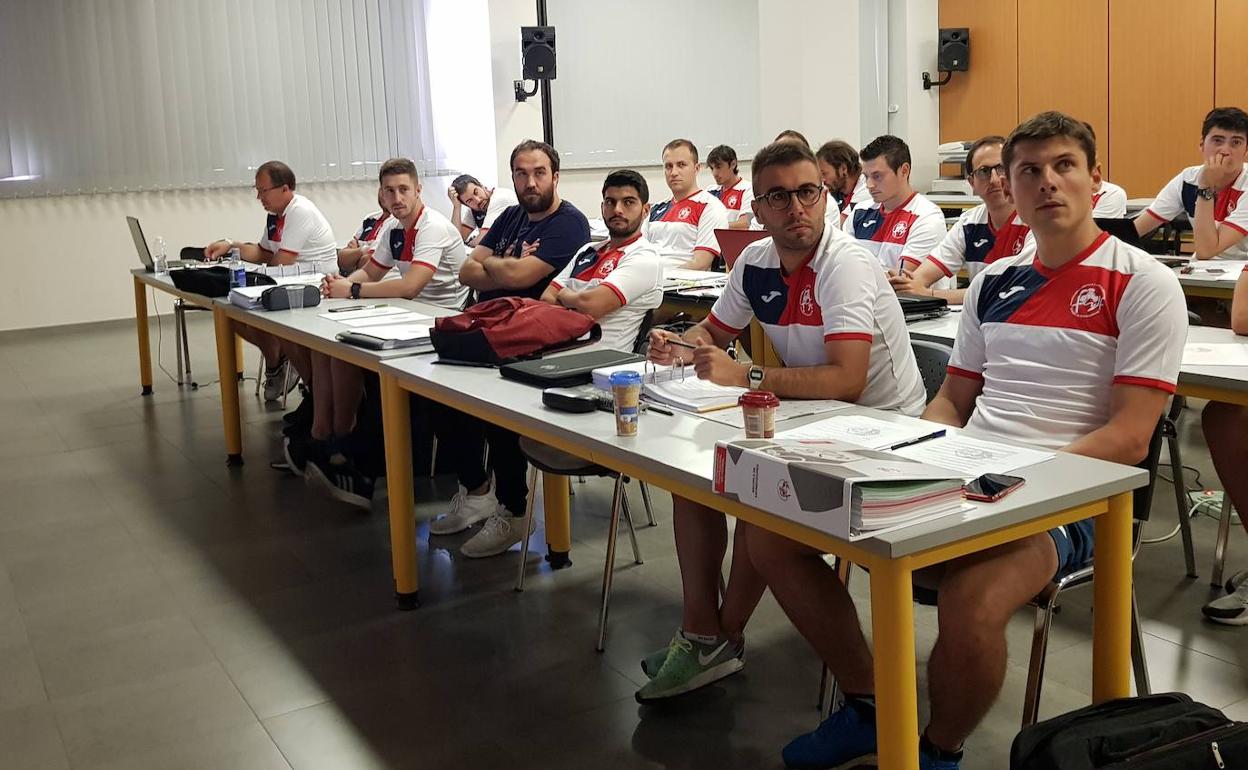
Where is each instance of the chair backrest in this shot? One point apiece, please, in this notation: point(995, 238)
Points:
point(643, 332)
point(1142, 499)
point(933, 361)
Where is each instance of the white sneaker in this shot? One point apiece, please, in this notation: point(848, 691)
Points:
point(279, 381)
point(501, 532)
point(466, 510)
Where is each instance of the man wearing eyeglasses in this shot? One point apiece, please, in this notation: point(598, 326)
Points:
point(297, 238)
point(899, 223)
point(827, 309)
point(982, 235)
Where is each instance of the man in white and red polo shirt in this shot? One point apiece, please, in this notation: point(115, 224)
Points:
point(982, 235)
point(827, 309)
point(1210, 194)
point(899, 223)
point(683, 227)
point(355, 254)
point(841, 169)
point(1074, 347)
point(297, 239)
point(733, 191)
point(619, 281)
point(427, 250)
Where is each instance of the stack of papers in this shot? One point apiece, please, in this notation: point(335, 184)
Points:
point(862, 431)
point(692, 395)
point(347, 313)
point(850, 491)
point(1215, 354)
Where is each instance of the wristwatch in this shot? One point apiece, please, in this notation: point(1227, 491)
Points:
point(756, 377)
point(1208, 193)
point(355, 289)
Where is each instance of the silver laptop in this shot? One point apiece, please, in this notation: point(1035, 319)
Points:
point(145, 254)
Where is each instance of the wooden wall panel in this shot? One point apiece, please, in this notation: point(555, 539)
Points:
point(1230, 54)
point(983, 100)
point(1063, 62)
point(1160, 87)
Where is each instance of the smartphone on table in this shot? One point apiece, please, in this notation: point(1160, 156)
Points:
point(991, 487)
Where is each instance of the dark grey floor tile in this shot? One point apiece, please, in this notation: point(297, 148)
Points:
point(31, 739)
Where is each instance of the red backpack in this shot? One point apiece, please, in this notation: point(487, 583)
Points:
point(508, 329)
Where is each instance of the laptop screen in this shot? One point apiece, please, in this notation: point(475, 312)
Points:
point(140, 243)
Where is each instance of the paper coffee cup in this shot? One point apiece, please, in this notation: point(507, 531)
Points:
point(626, 393)
point(759, 409)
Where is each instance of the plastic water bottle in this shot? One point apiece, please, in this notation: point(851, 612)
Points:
point(238, 275)
point(161, 257)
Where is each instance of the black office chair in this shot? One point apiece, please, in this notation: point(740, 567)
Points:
point(933, 361)
point(549, 460)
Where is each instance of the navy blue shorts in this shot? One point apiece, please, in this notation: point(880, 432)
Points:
point(1074, 546)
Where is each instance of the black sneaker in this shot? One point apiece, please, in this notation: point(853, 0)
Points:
point(295, 450)
point(302, 414)
point(342, 480)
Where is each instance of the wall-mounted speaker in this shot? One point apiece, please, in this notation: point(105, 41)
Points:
point(537, 52)
point(954, 53)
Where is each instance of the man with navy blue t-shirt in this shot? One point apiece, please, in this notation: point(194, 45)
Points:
point(528, 245)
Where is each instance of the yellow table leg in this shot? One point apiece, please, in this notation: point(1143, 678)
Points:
point(558, 519)
point(145, 345)
point(1111, 608)
point(238, 356)
point(226, 372)
point(892, 633)
point(396, 422)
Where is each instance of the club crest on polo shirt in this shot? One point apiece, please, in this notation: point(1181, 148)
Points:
point(806, 302)
point(732, 201)
point(684, 213)
point(607, 266)
point(1087, 301)
point(899, 230)
point(1018, 246)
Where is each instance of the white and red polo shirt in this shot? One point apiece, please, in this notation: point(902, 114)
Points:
point(1049, 345)
point(975, 243)
point(912, 230)
point(678, 228)
point(1110, 202)
point(301, 229)
point(736, 199)
point(860, 195)
point(839, 293)
point(371, 227)
point(633, 271)
point(432, 242)
point(1179, 197)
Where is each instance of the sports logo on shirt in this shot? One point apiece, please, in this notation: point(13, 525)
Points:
point(769, 296)
point(683, 213)
point(899, 229)
point(1018, 245)
point(1010, 292)
point(806, 302)
point(273, 227)
point(607, 266)
point(980, 243)
point(733, 201)
point(1087, 301)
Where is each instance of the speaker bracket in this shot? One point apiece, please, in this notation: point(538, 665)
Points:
point(523, 94)
point(929, 84)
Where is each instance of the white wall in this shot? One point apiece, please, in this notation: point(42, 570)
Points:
point(810, 63)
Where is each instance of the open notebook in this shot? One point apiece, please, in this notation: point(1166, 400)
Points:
point(692, 394)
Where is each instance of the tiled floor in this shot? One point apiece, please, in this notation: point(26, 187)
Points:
point(158, 610)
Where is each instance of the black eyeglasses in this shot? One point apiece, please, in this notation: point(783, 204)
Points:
point(984, 173)
point(778, 200)
point(260, 192)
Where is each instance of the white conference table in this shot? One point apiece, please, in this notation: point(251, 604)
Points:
point(162, 282)
point(675, 453)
